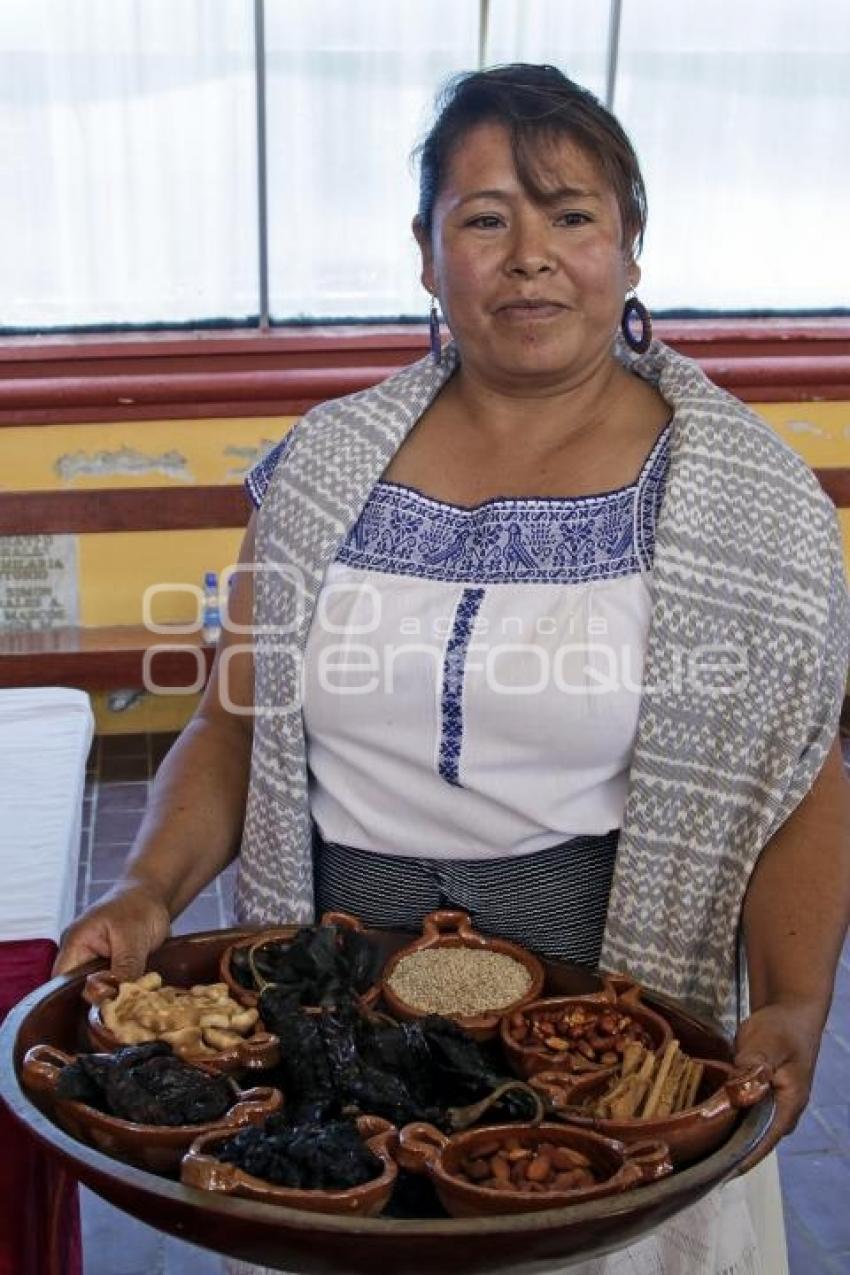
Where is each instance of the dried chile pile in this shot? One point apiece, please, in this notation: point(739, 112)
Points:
point(322, 965)
point(345, 1063)
point(147, 1084)
point(308, 1156)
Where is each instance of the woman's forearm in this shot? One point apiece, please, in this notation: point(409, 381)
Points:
point(193, 823)
point(798, 903)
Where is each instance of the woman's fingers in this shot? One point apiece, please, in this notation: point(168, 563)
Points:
point(124, 929)
point(786, 1038)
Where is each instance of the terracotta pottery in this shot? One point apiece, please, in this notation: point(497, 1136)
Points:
point(256, 1052)
point(324, 1244)
point(690, 1134)
point(446, 929)
point(159, 1148)
point(285, 933)
point(619, 994)
point(424, 1149)
point(201, 1169)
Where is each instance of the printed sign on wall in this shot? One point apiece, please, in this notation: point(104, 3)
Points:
point(38, 582)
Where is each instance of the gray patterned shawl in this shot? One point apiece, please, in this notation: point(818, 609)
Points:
point(747, 554)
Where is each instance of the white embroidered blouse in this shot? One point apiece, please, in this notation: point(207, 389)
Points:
point(472, 676)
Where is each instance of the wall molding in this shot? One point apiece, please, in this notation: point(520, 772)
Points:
point(124, 509)
point(180, 375)
point(186, 508)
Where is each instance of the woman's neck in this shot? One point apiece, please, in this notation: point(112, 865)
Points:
point(544, 415)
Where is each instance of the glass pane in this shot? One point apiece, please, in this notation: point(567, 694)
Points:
point(740, 115)
point(570, 34)
point(351, 85)
point(127, 161)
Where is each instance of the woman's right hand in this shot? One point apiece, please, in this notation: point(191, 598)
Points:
point(125, 926)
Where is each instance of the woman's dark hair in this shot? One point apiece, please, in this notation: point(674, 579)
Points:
point(535, 104)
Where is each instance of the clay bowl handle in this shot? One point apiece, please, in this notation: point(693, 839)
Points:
point(448, 921)
point(622, 989)
point(749, 1085)
point(381, 1136)
point(554, 1087)
point(651, 1159)
point(204, 1172)
point(258, 1052)
point(419, 1145)
point(42, 1065)
point(342, 920)
point(743, 1087)
point(99, 987)
point(254, 1105)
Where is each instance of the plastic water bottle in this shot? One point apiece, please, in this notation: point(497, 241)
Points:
point(211, 617)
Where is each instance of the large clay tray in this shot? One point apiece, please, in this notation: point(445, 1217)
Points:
point(295, 1241)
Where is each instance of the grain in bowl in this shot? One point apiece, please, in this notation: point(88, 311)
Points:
point(459, 980)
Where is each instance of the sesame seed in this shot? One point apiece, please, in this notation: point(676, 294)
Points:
point(459, 980)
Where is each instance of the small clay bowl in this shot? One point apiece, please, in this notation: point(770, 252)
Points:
point(447, 929)
point(690, 1134)
point(256, 1052)
point(158, 1148)
point(620, 995)
point(202, 1170)
point(286, 933)
point(422, 1148)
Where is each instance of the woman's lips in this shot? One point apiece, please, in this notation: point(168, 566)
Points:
point(523, 312)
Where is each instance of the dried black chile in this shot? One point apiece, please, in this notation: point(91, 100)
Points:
point(303, 1074)
point(318, 1157)
point(147, 1084)
point(321, 966)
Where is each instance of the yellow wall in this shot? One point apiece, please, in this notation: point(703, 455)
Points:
point(115, 569)
point(820, 432)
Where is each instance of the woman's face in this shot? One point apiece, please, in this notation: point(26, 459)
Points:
point(532, 292)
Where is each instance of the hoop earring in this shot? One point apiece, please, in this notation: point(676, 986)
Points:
point(434, 333)
point(636, 310)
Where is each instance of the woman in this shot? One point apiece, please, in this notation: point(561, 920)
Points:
point(542, 629)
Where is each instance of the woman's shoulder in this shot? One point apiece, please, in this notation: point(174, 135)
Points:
point(258, 478)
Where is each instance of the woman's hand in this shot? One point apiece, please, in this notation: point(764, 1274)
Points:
point(786, 1036)
point(125, 926)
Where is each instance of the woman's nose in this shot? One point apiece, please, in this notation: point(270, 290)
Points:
point(529, 253)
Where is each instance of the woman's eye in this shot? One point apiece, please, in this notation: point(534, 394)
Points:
point(486, 221)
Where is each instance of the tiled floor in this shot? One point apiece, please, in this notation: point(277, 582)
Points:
point(814, 1163)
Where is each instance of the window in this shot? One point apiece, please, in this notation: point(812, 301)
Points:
point(350, 91)
point(740, 115)
point(128, 172)
point(131, 183)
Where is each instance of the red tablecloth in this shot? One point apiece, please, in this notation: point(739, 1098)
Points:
point(39, 1212)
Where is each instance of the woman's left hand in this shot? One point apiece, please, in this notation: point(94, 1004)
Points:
point(786, 1036)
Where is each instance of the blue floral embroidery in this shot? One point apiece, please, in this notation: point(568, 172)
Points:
point(451, 698)
point(258, 479)
point(558, 540)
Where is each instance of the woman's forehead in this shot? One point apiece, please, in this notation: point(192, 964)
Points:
point(483, 159)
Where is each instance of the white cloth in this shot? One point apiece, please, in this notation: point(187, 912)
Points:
point(472, 676)
point(547, 692)
point(45, 736)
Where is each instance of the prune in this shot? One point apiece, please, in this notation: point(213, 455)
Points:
point(326, 1157)
point(146, 1084)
